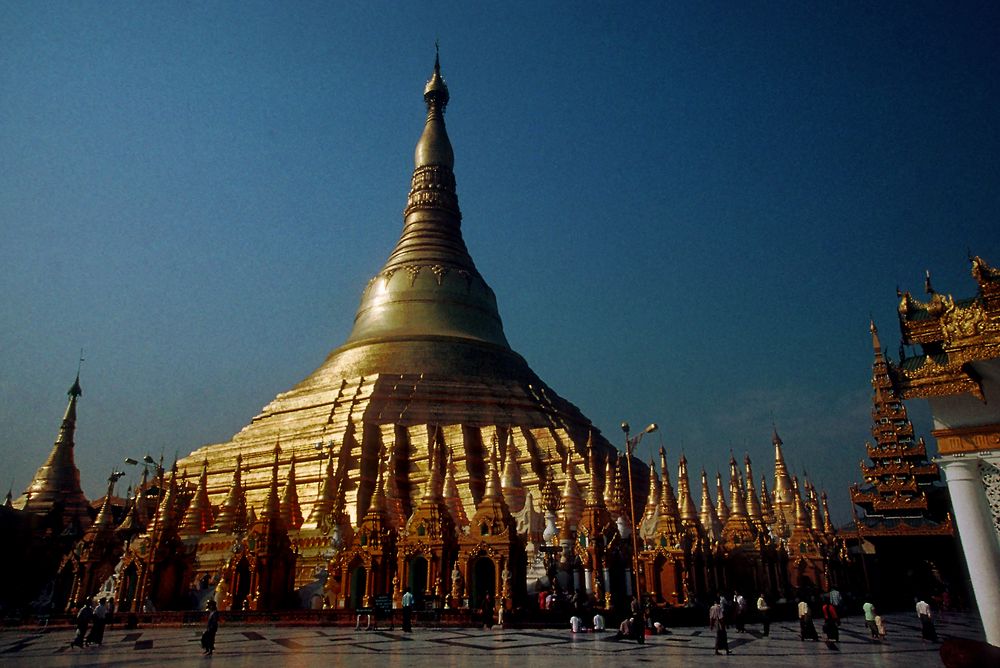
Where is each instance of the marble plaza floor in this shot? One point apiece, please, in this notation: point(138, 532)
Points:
point(442, 648)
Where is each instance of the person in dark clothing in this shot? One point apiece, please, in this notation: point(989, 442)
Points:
point(83, 617)
point(100, 614)
point(208, 637)
point(717, 621)
point(407, 610)
point(487, 611)
point(831, 622)
point(638, 622)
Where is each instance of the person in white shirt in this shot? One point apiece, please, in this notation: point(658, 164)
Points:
point(765, 618)
point(927, 630)
point(407, 610)
point(598, 622)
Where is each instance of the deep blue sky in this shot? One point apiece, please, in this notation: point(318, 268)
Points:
point(687, 212)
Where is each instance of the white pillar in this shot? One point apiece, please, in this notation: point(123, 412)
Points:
point(978, 538)
point(588, 581)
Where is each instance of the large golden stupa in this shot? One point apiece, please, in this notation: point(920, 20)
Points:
point(426, 368)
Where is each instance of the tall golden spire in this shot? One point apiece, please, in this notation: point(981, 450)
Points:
point(57, 481)
point(783, 501)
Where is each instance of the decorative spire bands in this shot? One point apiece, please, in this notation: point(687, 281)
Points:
point(430, 286)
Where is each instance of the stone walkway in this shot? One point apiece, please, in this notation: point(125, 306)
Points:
point(442, 648)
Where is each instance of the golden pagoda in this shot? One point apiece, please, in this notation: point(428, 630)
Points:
point(425, 382)
point(55, 489)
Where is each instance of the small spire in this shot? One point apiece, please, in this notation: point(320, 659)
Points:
point(685, 503)
point(291, 513)
point(434, 147)
point(326, 499)
point(198, 517)
point(720, 500)
point(827, 522)
point(709, 517)
point(766, 509)
point(876, 343)
point(493, 488)
point(572, 501)
point(670, 518)
point(272, 507)
point(928, 288)
point(801, 515)
point(452, 500)
point(611, 487)
point(232, 515)
point(754, 510)
point(737, 502)
point(512, 486)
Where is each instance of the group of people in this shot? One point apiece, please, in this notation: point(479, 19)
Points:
point(92, 617)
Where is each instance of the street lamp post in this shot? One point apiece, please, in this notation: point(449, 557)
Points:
point(630, 444)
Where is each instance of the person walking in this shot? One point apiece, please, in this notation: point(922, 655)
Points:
point(831, 622)
point(208, 637)
point(407, 610)
point(836, 600)
point(806, 627)
point(765, 614)
point(83, 617)
point(927, 630)
point(96, 636)
point(869, 610)
point(717, 621)
point(740, 612)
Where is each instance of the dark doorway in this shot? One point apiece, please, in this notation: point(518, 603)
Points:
point(356, 595)
point(241, 588)
point(418, 578)
point(484, 581)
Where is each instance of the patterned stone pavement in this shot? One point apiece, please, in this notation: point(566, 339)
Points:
point(441, 648)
